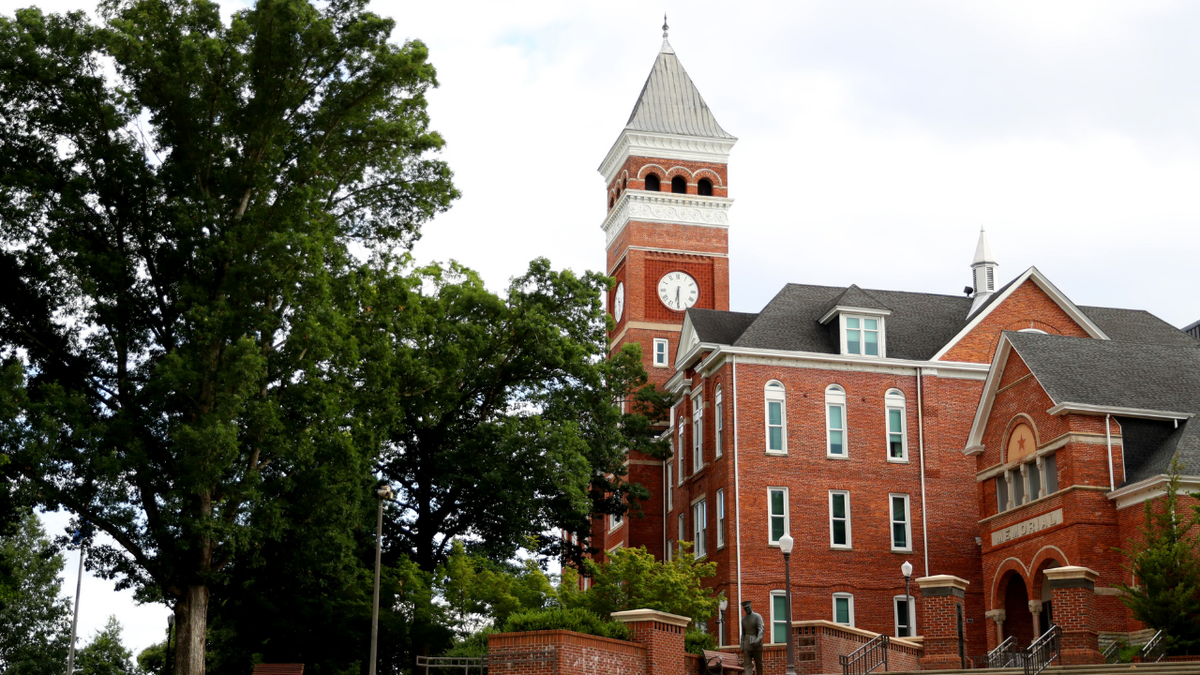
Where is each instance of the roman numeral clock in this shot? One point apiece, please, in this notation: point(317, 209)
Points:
point(678, 290)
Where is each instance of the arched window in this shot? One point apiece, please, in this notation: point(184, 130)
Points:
point(776, 412)
point(897, 438)
point(652, 183)
point(835, 421)
point(704, 187)
point(610, 201)
point(679, 185)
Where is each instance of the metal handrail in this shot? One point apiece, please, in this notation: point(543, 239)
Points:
point(867, 657)
point(1156, 648)
point(1004, 655)
point(465, 664)
point(1042, 652)
point(1112, 653)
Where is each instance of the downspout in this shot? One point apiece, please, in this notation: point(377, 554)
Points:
point(921, 451)
point(737, 497)
point(1112, 481)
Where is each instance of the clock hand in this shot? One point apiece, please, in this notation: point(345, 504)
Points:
point(677, 288)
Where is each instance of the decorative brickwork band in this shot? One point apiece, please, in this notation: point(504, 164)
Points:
point(1074, 604)
point(940, 617)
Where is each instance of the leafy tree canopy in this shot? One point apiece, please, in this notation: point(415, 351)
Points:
point(35, 624)
point(632, 579)
point(105, 654)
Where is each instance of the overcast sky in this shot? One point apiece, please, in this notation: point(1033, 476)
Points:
point(875, 139)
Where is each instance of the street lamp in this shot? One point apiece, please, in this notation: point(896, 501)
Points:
point(723, 605)
point(785, 545)
point(906, 570)
point(385, 494)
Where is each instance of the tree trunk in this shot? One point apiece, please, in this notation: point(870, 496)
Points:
point(191, 631)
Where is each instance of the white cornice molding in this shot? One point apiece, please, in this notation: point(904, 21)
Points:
point(665, 207)
point(847, 309)
point(665, 146)
point(1069, 408)
point(1145, 490)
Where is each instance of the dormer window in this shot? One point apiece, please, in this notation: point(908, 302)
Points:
point(862, 335)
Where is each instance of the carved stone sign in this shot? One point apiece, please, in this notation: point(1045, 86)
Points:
point(1035, 524)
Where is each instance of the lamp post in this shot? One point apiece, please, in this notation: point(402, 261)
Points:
point(385, 494)
point(785, 545)
point(169, 656)
point(906, 570)
point(723, 605)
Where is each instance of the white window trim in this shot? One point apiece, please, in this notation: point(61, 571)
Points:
point(787, 517)
point(615, 547)
point(720, 518)
point(882, 342)
point(697, 432)
point(850, 597)
point(718, 423)
point(836, 398)
point(895, 400)
point(681, 530)
point(615, 522)
point(770, 636)
point(666, 353)
point(912, 616)
point(775, 394)
point(682, 438)
point(670, 486)
point(700, 527)
point(849, 516)
point(670, 550)
point(907, 522)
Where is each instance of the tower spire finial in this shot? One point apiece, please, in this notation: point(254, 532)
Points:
point(664, 25)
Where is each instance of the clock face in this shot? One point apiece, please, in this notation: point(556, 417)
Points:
point(678, 291)
point(619, 301)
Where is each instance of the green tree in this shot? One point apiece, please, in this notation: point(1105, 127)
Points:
point(632, 579)
point(35, 623)
point(498, 416)
point(105, 654)
point(1166, 565)
point(175, 242)
point(481, 592)
point(153, 659)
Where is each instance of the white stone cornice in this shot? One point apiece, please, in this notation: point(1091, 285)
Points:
point(665, 146)
point(665, 207)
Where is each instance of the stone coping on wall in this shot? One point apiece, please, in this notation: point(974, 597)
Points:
point(915, 643)
point(634, 615)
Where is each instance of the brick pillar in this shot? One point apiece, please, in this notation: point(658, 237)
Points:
point(662, 635)
point(1073, 594)
point(939, 606)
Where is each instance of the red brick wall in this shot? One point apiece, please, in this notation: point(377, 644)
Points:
point(632, 176)
point(572, 654)
point(1027, 307)
point(939, 626)
point(1075, 613)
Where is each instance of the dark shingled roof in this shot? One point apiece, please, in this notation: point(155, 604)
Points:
point(1135, 325)
point(856, 297)
point(717, 327)
point(1125, 374)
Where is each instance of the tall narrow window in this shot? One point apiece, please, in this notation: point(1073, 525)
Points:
point(1001, 493)
point(679, 185)
point(670, 549)
point(721, 518)
point(697, 432)
point(615, 521)
point(835, 420)
point(679, 453)
point(704, 187)
point(779, 629)
point(700, 527)
point(718, 423)
point(661, 347)
point(897, 445)
point(775, 397)
point(843, 609)
point(777, 503)
point(670, 485)
point(652, 183)
point(839, 519)
point(905, 615)
point(901, 524)
point(680, 531)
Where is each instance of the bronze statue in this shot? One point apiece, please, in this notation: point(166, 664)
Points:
point(752, 640)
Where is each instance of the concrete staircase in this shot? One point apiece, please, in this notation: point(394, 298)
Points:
point(1192, 668)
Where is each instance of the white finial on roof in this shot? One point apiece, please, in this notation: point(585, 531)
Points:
point(666, 48)
point(983, 272)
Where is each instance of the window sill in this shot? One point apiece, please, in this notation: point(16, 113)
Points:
point(661, 365)
point(828, 456)
point(776, 453)
point(892, 460)
point(907, 551)
point(841, 548)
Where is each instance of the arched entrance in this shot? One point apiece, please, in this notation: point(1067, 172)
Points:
point(1018, 622)
point(1046, 616)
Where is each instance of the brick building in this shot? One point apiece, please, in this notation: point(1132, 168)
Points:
point(877, 426)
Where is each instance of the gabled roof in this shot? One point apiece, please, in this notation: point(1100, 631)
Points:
point(854, 298)
point(1153, 389)
point(717, 327)
point(671, 104)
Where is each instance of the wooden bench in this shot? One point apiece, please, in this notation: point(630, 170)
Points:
point(719, 662)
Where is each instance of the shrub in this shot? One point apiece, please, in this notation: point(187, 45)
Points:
point(578, 620)
point(475, 644)
point(695, 641)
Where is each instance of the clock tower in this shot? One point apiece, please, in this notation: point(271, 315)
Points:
point(666, 230)
point(666, 237)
